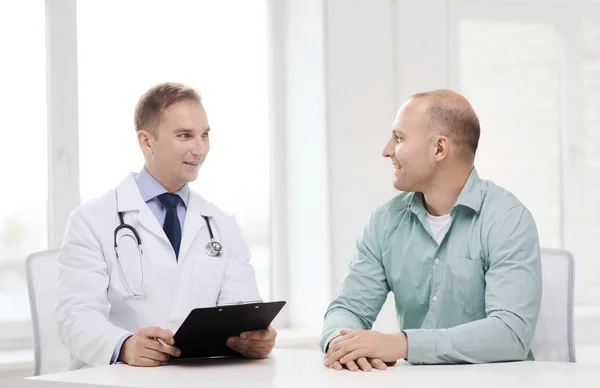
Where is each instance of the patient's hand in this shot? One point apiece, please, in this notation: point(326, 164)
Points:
point(365, 349)
point(254, 344)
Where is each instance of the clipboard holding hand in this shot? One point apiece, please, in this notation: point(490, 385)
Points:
point(205, 330)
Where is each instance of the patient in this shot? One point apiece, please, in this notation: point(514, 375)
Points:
point(460, 254)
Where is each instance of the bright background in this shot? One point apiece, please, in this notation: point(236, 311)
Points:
point(300, 96)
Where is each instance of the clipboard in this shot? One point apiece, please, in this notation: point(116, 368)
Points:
point(204, 332)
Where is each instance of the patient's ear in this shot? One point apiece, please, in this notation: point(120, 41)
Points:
point(441, 147)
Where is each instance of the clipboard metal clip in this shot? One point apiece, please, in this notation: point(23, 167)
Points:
point(240, 303)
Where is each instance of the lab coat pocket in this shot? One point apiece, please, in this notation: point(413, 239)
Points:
point(208, 274)
point(467, 283)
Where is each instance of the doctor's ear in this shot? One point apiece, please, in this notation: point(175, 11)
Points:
point(144, 141)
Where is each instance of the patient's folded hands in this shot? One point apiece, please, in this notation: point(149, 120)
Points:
point(365, 349)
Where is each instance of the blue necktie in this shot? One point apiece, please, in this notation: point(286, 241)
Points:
point(172, 227)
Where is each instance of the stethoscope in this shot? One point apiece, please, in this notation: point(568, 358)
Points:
point(213, 249)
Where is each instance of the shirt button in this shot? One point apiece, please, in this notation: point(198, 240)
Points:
point(435, 298)
point(436, 261)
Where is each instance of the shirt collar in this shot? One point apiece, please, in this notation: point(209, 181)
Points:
point(470, 196)
point(150, 188)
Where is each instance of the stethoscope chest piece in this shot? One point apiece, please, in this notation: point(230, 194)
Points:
point(213, 249)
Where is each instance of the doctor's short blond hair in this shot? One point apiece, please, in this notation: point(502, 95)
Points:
point(149, 110)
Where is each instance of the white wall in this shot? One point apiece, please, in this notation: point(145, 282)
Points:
point(376, 51)
point(360, 110)
point(338, 99)
point(352, 48)
point(361, 105)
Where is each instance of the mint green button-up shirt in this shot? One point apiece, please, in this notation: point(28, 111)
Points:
point(474, 298)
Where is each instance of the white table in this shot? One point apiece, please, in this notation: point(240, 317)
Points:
point(300, 368)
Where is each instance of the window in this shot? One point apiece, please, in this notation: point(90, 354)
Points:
point(23, 154)
point(591, 147)
point(200, 43)
point(513, 86)
point(539, 83)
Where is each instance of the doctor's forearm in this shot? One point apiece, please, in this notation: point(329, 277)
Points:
point(90, 337)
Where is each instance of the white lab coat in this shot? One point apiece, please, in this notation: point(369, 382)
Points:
point(93, 310)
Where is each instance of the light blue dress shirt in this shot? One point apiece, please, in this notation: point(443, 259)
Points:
point(474, 297)
point(150, 189)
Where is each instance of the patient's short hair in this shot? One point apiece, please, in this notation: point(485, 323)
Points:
point(451, 115)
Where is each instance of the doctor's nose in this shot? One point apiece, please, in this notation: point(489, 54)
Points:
point(196, 151)
point(198, 148)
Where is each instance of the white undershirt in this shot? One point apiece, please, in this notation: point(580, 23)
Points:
point(439, 225)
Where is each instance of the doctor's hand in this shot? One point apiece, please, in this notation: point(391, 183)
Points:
point(254, 344)
point(144, 349)
point(364, 347)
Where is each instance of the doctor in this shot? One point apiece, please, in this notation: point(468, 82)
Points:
point(138, 259)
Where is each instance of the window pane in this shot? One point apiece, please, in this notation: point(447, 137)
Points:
point(23, 154)
point(215, 46)
point(513, 85)
point(591, 175)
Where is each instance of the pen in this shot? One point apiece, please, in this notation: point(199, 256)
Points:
point(161, 341)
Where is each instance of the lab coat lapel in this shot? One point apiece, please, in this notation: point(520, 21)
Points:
point(130, 200)
point(197, 207)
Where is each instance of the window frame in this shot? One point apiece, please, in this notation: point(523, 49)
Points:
point(63, 173)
